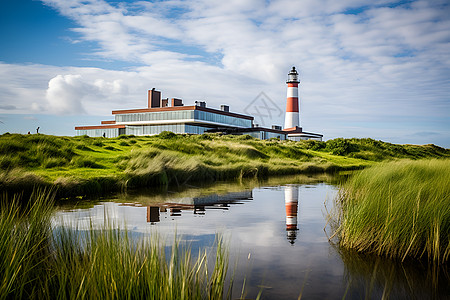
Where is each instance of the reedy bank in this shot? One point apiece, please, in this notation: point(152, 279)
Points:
point(398, 210)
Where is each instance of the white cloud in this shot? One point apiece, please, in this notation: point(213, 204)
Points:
point(357, 62)
point(65, 93)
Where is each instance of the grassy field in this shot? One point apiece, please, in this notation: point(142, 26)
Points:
point(399, 210)
point(80, 166)
point(39, 260)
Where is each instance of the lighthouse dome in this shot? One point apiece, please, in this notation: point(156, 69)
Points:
point(293, 76)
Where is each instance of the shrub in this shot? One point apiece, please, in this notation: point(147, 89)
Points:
point(245, 137)
point(167, 135)
point(339, 146)
point(206, 136)
point(314, 145)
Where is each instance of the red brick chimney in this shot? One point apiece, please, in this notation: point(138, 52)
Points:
point(154, 98)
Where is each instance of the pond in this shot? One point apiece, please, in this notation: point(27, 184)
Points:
point(277, 235)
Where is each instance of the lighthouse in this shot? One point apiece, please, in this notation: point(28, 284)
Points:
point(291, 203)
point(292, 112)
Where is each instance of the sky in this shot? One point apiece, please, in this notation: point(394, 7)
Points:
point(378, 69)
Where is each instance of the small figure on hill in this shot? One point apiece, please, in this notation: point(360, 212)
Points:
point(104, 134)
point(37, 130)
point(29, 132)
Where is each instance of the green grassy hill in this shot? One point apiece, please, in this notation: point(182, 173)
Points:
point(85, 166)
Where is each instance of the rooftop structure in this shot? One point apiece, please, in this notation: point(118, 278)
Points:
point(171, 115)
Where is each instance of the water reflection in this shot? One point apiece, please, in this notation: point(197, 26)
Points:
point(368, 274)
point(176, 206)
point(153, 214)
point(265, 222)
point(291, 203)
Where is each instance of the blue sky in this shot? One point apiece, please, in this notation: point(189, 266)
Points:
point(377, 69)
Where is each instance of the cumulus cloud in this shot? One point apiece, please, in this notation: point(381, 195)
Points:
point(65, 93)
point(382, 62)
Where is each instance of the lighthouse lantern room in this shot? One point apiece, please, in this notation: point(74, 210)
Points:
point(293, 76)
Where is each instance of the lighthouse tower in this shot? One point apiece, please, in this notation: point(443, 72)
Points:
point(292, 113)
point(291, 203)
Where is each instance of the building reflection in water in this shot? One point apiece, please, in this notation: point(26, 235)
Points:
point(152, 214)
point(198, 205)
point(291, 203)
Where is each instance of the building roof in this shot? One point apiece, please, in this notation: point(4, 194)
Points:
point(177, 108)
point(295, 129)
point(306, 134)
point(98, 127)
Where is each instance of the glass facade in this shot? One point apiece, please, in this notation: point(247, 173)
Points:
point(184, 121)
point(264, 135)
point(156, 116)
point(196, 115)
point(157, 129)
point(224, 119)
point(195, 129)
point(304, 138)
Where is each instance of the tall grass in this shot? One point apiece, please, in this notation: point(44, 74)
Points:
point(40, 260)
point(398, 209)
point(84, 166)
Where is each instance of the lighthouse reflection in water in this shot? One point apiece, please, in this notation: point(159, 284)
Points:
point(291, 203)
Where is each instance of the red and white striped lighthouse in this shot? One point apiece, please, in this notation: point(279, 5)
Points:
point(292, 112)
point(291, 203)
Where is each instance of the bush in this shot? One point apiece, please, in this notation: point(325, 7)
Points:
point(339, 146)
point(167, 135)
point(205, 136)
point(245, 137)
point(314, 145)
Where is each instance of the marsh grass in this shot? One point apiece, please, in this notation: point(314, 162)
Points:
point(41, 260)
point(24, 245)
point(91, 164)
point(399, 210)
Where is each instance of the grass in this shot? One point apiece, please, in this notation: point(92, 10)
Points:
point(398, 210)
point(81, 166)
point(40, 260)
